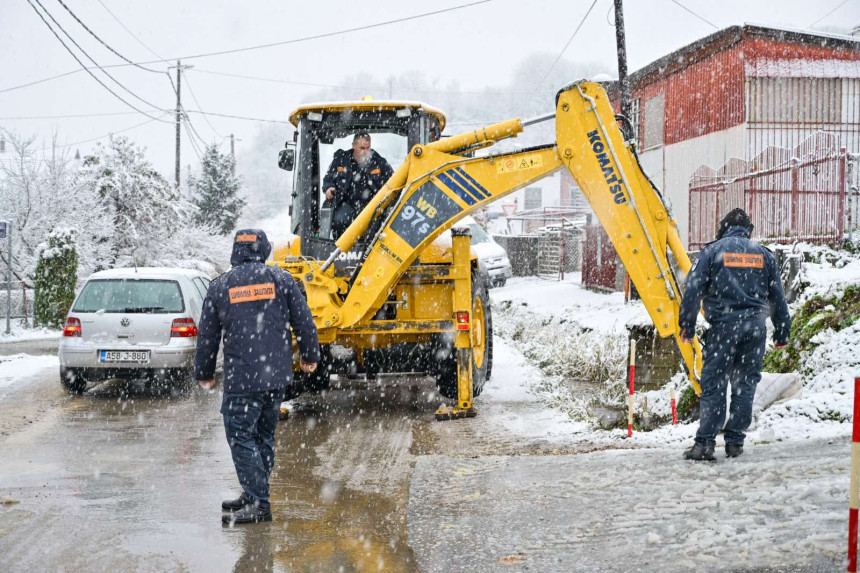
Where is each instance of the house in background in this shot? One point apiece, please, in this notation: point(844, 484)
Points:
point(743, 100)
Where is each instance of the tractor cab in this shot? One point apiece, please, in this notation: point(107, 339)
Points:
point(321, 130)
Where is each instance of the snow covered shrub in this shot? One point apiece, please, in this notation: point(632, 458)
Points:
point(55, 278)
point(216, 192)
point(583, 368)
point(817, 315)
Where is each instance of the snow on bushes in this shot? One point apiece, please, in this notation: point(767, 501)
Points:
point(581, 368)
point(55, 278)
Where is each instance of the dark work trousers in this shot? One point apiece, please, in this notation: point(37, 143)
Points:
point(250, 419)
point(733, 354)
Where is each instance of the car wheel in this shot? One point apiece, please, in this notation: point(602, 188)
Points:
point(72, 380)
point(501, 282)
point(482, 341)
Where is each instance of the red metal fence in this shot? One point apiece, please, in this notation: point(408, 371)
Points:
point(797, 196)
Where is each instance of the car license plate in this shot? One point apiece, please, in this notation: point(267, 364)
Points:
point(133, 356)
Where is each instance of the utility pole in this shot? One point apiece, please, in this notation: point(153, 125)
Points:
point(233, 141)
point(621, 42)
point(179, 67)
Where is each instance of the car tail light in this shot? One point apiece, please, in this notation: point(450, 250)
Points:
point(183, 328)
point(462, 320)
point(73, 327)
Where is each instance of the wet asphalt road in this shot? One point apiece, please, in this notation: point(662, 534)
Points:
point(129, 479)
point(124, 478)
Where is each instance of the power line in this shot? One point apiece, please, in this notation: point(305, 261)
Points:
point(192, 131)
point(103, 136)
point(86, 115)
point(191, 137)
point(365, 88)
point(90, 58)
point(43, 80)
point(696, 15)
point(829, 13)
point(73, 116)
point(33, 6)
point(194, 97)
point(270, 45)
point(569, 40)
point(330, 34)
point(238, 116)
point(103, 43)
point(118, 21)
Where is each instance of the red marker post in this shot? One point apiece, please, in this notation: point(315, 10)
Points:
point(854, 493)
point(674, 406)
point(632, 381)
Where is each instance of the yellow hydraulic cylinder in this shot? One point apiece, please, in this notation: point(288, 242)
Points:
point(495, 132)
point(346, 241)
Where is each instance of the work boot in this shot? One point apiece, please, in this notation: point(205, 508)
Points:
point(734, 450)
point(700, 452)
point(235, 504)
point(248, 514)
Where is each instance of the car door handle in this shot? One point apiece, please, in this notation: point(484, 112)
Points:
point(125, 336)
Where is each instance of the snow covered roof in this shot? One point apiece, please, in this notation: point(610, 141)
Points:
point(146, 272)
point(367, 105)
point(722, 39)
point(801, 68)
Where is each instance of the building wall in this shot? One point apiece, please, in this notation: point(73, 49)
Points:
point(704, 97)
point(671, 167)
point(710, 117)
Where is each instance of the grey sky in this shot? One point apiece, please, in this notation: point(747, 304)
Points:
point(475, 46)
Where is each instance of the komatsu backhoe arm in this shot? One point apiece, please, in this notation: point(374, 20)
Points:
point(438, 184)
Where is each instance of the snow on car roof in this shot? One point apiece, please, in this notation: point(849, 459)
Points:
point(146, 272)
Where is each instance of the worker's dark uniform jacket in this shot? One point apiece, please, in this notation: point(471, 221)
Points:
point(354, 185)
point(738, 283)
point(255, 306)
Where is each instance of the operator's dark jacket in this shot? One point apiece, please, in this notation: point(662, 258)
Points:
point(739, 281)
point(354, 185)
point(254, 305)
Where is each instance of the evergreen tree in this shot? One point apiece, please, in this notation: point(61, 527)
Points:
point(142, 206)
point(55, 278)
point(216, 190)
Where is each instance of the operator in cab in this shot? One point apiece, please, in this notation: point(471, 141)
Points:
point(741, 286)
point(353, 178)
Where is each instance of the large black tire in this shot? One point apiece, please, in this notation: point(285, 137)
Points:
point(482, 360)
point(73, 381)
point(316, 381)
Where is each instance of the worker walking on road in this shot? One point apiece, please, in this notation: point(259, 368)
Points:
point(740, 283)
point(254, 306)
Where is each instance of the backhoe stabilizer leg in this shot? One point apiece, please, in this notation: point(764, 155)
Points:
point(464, 407)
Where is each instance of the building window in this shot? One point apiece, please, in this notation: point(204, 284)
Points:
point(635, 120)
point(534, 198)
point(794, 100)
point(653, 120)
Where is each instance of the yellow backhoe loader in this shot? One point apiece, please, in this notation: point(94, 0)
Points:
point(389, 296)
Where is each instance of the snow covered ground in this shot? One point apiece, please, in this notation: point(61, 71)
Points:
point(547, 331)
point(19, 333)
point(21, 368)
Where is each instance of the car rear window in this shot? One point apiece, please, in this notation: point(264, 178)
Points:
point(130, 296)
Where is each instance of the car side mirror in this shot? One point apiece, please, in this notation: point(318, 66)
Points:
point(286, 159)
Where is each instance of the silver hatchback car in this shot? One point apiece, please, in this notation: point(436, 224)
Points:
point(133, 323)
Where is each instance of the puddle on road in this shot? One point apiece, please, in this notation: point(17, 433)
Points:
point(340, 486)
point(150, 468)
